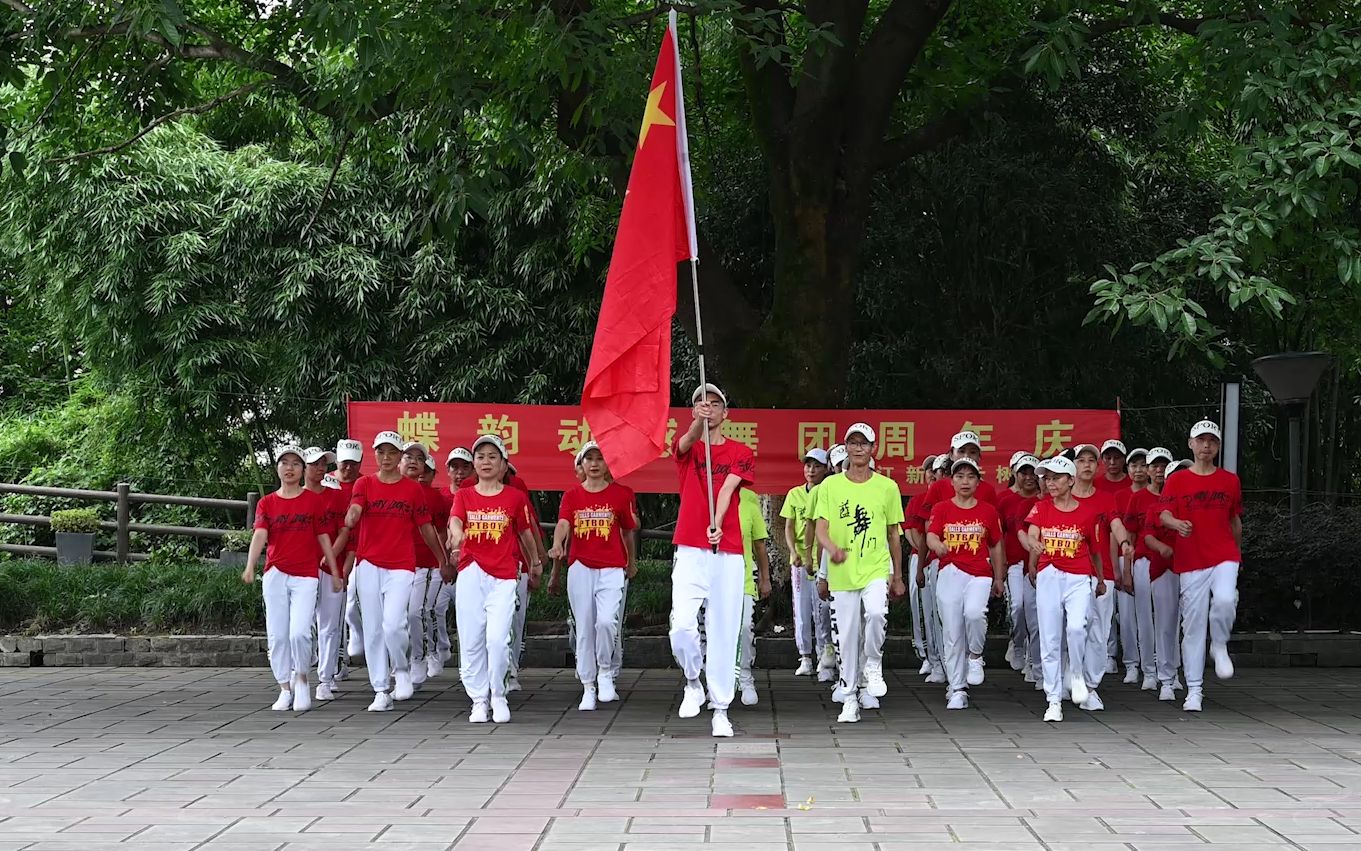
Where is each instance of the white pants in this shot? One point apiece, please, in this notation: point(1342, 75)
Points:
point(962, 601)
point(1098, 636)
point(383, 597)
point(1019, 612)
point(1209, 599)
point(594, 596)
point(1062, 603)
point(714, 581)
point(934, 638)
point(1146, 636)
point(805, 592)
point(420, 619)
point(1126, 607)
point(746, 643)
point(914, 602)
point(330, 612)
point(617, 657)
point(517, 623)
point(859, 622)
point(290, 606)
point(822, 614)
point(484, 608)
point(354, 621)
point(442, 602)
point(1167, 625)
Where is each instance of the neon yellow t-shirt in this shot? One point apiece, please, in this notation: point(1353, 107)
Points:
point(753, 530)
point(796, 505)
point(858, 516)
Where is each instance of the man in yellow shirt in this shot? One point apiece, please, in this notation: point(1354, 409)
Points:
point(822, 607)
point(757, 582)
point(802, 571)
point(859, 525)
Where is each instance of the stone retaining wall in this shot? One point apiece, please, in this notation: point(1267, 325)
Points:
point(1251, 650)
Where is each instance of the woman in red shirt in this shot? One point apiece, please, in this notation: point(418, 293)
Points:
point(459, 465)
point(394, 511)
point(1155, 585)
point(290, 529)
point(1013, 505)
point(966, 535)
point(594, 518)
point(418, 466)
point(489, 527)
point(1067, 536)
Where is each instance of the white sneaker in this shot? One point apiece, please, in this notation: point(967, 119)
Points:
point(382, 702)
point(1079, 689)
point(446, 654)
point(324, 692)
point(975, 675)
point(1131, 675)
point(302, 697)
point(1177, 684)
point(1223, 664)
point(1039, 684)
point(513, 684)
point(805, 668)
point(720, 725)
point(1167, 694)
point(1112, 666)
point(354, 648)
point(1054, 712)
point(958, 700)
point(838, 694)
point(479, 714)
point(1149, 684)
point(587, 700)
point(749, 697)
point(404, 687)
point(284, 701)
point(874, 681)
point(937, 674)
point(925, 668)
point(1011, 655)
point(867, 700)
point(419, 671)
point(604, 686)
point(693, 700)
point(341, 677)
point(827, 664)
point(1029, 675)
point(1194, 697)
point(500, 710)
point(434, 666)
point(850, 711)
point(1093, 702)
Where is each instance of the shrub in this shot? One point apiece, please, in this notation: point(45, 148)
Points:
point(76, 520)
point(236, 541)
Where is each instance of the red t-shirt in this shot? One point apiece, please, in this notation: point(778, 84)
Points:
point(1068, 538)
point(518, 483)
point(1014, 509)
point(491, 529)
point(1130, 508)
point(293, 526)
point(1103, 504)
point(1148, 502)
point(692, 522)
point(969, 533)
point(598, 521)
point(910, 519)
point(392, 513)
point(438, 508)
point(1210, 503)
point(1105, 485)
point(943, 490)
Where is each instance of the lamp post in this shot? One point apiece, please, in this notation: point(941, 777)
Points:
point(1291, 378)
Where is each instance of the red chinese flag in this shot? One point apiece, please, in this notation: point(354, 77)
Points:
point(628, 383)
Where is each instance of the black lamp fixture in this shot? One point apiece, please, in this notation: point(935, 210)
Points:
point(1291, 377)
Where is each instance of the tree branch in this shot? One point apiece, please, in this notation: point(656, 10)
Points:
point(330, 181)
point(157, 122)
point(1190, 26)
point(20, 7)
point(928, 137)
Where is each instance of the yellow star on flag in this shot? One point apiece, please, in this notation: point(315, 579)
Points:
point(653, 113)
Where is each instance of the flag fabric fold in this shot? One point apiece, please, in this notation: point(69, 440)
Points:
point(628, 383)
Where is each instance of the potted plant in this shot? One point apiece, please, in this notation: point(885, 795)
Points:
point(75, 528)
point(234, 547)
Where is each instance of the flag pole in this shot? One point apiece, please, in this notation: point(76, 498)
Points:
point(687, 191)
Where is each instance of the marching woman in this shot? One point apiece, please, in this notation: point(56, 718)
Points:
point(1129, 505)
point(1067, 536)
point(394, 510)
point(802, 571)
point(1203, 504)
point(859, 525)
point(459, 466)
point(348, 455)
point(915, 532)
point(331, 594)
point(489, 529)
point(1155, 585)
point(928, 570)
point(420, 467)
point(756, 582)
point(291, 531)
point(966, 535)
point(593, 524)
point(1014, 506)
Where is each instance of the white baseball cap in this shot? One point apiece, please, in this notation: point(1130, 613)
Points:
point(1016, 456)
point(430, 463)
point(330, 481)
point(964, 438)
point(1159, 453)
point(1113, 444)
point(862, 429)
point(1026, 460)
point(1179, 465)
point(942, 462)
point(458, 453)
point(1060, 466)
point(416, 444)
point(705, 389)
point(586, 447)
point(1206, 427)
point(492, 440)
point(928, 462)
point(349, 450)
point(1136, 452)
point(837, 455)
point(313, 454)
point(1083, 447)
point(818, 454)
point(965, 462)
point(288, 449)
point(391, 438)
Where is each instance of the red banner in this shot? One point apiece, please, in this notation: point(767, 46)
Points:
point(543, 439)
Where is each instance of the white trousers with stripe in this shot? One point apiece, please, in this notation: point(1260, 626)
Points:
point(859, 623)
point(714, 581)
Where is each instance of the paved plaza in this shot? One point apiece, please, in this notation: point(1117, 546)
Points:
point(159, 759)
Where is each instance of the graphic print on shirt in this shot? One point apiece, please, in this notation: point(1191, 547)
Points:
point(745, 468)
point(597, 520)
point(486, 525)
point(964, 536)
point(1062, 541)
point(863, 535)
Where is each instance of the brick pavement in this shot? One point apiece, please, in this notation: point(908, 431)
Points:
point(161, 759)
